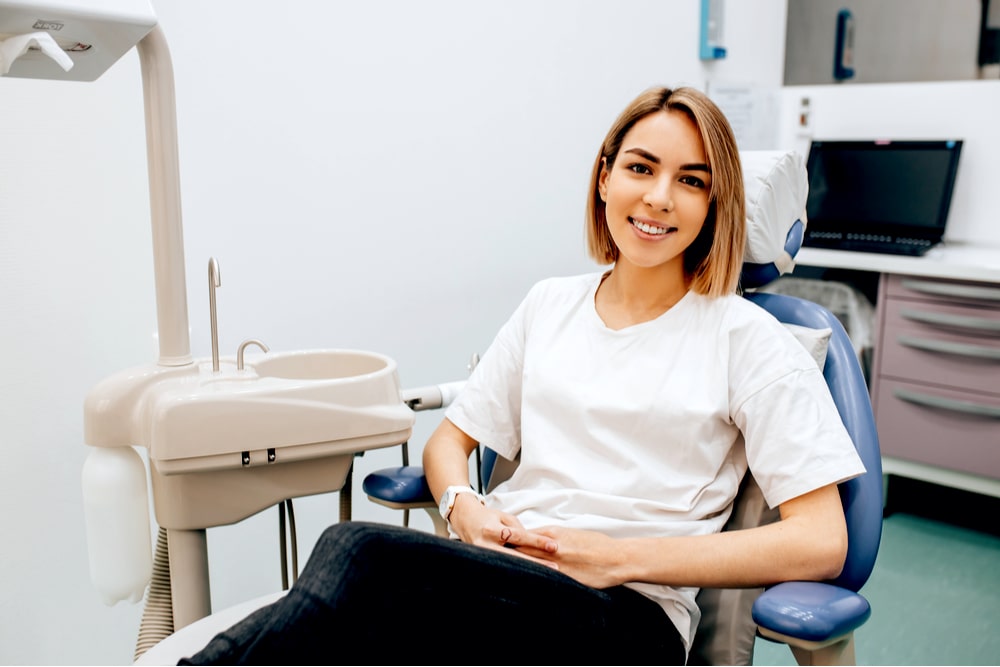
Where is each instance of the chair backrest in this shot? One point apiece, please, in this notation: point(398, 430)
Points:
point(777, 187)
point(862, 496)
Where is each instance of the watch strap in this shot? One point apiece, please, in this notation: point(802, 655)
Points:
point(451, 495)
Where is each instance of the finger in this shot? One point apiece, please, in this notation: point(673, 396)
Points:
point(526, 538)
point(515, 551)
point(541, 554)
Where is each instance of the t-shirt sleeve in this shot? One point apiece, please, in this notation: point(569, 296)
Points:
point(794, 437)
point(488, 408)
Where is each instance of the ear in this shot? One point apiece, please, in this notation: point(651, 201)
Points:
point(602, 180)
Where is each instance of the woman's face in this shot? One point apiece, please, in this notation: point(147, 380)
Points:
point(657, 192)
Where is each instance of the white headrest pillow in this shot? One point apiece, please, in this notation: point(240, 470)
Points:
point(777, 186)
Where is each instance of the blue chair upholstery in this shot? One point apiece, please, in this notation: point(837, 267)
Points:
point(757, 274)
point(404, 485)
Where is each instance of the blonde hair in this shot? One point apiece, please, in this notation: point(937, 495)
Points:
point(714, 259)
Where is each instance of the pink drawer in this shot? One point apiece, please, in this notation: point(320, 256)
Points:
point(955, 346)
point(952, 291)
point(939, 427)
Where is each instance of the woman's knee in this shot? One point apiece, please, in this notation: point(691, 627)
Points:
point(347, 540)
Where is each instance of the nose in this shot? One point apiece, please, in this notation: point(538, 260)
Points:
point(659, 195)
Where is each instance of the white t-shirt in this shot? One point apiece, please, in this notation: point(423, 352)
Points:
point(640, 432)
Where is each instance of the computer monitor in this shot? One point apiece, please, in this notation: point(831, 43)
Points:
point(880, 195)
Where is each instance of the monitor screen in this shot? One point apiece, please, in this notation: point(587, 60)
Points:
point(875, 187)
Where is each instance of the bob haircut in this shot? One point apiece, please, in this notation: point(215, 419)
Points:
point(714, 259)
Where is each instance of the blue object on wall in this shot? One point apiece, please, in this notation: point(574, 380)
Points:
point(843, 50)
point(710, 44)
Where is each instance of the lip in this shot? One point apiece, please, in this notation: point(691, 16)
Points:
point(650, 223)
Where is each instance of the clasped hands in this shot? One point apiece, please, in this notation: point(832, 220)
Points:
point(588, 556)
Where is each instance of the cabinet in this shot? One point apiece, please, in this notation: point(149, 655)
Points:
point(944, 428)
point(936, 376)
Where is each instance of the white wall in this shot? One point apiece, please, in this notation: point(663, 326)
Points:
point(387, 175)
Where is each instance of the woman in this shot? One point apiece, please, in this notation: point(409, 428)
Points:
point(635, 399)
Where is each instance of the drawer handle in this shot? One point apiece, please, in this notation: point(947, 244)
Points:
point(947, 289)
point(967, 407)
point(958, 349)
point(983, 324)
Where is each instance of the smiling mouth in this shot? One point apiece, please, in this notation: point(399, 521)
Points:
point(653, 230)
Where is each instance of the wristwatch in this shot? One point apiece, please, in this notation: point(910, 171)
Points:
point(450, 494)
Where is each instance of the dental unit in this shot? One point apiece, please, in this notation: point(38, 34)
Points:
point(226, 438)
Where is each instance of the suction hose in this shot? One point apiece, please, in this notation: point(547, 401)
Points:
point(158, 614)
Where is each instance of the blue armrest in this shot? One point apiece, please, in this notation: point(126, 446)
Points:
point(404, 484)
point(810, 610)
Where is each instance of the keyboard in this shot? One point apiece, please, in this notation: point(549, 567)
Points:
point(887, 245)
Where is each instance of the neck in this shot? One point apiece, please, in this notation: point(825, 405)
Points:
point(632, 295)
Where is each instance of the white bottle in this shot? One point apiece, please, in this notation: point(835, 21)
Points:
point(116, 510)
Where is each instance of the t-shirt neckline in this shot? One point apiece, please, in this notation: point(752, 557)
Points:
point(632, 328)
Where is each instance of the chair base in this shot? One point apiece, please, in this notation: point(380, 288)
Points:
point(833, 651)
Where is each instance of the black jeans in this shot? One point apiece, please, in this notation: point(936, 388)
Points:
point(382, 594)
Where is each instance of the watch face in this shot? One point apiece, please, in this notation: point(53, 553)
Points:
point(446, 502)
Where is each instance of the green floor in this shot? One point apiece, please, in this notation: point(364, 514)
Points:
point(935, 591)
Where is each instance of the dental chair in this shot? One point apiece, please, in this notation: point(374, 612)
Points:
point(815, 619)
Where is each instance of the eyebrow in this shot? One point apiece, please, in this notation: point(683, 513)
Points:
point(696, 166)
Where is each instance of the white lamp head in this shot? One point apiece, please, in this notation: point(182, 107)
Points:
point(95, 34)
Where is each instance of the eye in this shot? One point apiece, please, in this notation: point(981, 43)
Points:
point(639, 168)
point(693, 181)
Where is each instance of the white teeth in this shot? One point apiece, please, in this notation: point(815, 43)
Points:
point(649, 229)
